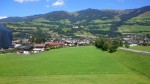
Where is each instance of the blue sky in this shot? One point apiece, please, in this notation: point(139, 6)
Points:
point(21, 8)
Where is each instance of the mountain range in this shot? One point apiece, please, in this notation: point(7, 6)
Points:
point(88, 14)
point(90, 19)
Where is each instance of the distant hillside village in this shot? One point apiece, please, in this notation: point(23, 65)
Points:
point(32, 45)
point(25, 46)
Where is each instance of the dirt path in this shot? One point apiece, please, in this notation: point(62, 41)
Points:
point(137, 51)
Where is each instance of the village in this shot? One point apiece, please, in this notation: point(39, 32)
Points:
point(24, 46)
point(28, 46)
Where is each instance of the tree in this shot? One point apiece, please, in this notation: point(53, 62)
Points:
point(106, 44)
point(117, 42)
point(126, 44)
point(102, 43)
point(37, 39)
point(112, 49)
point(97, 43)
point(110, 45)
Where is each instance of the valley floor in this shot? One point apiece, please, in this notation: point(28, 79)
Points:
point(76, 65)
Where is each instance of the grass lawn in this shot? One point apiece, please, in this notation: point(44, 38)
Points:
point(143, 48)
point(80, 65)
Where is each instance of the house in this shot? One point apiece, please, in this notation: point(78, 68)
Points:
point(133, 43)
point(75, 27)
point(25, 40)
point(24, 49)
point(55, 44)
point(81, 26)
point(146, 44)
point(70, 42)
point(16, 45)
point(16, 41)
point(83, 43)
point(38, 48)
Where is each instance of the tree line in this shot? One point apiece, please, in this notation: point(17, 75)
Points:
point(108, 44)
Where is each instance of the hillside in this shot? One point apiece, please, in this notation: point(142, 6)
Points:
point(92, 22)
point(138, 24)
point(87, 14)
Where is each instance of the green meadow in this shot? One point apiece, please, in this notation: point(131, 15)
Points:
point(142, 48)
point(134, 29)
point(75, 65)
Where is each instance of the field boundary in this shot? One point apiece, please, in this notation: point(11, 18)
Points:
point(136, 51)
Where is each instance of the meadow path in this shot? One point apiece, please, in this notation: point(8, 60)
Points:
point(137, 51)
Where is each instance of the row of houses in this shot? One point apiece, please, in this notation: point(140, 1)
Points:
point(133, 42)
point(136, 39)
point(36, 48)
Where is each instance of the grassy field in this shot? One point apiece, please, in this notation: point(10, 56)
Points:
point(134, 28)
point(80, 65)
point(143, 48)
point(136, 62)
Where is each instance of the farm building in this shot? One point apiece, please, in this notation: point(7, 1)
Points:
point(24, 49)
point(38, 48)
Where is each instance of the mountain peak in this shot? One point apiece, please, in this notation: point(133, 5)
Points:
point(87, 14)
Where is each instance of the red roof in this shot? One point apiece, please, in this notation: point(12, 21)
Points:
point(54, 43)
point(39, 45)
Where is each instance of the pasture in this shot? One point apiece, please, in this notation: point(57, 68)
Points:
point(75, 65)
point(134, 28)
point(142, 48)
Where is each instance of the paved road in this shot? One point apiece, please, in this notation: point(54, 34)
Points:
point(137, 51)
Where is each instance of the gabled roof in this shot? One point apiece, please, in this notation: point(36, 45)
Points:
point(24, 47)
point(54, 43)
point(39, 45)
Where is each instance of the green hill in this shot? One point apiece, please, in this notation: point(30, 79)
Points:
point(138, 24)
point(93, 21)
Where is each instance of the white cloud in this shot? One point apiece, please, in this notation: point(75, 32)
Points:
point(2, 17)
point(22, 1)
point(58, 3)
